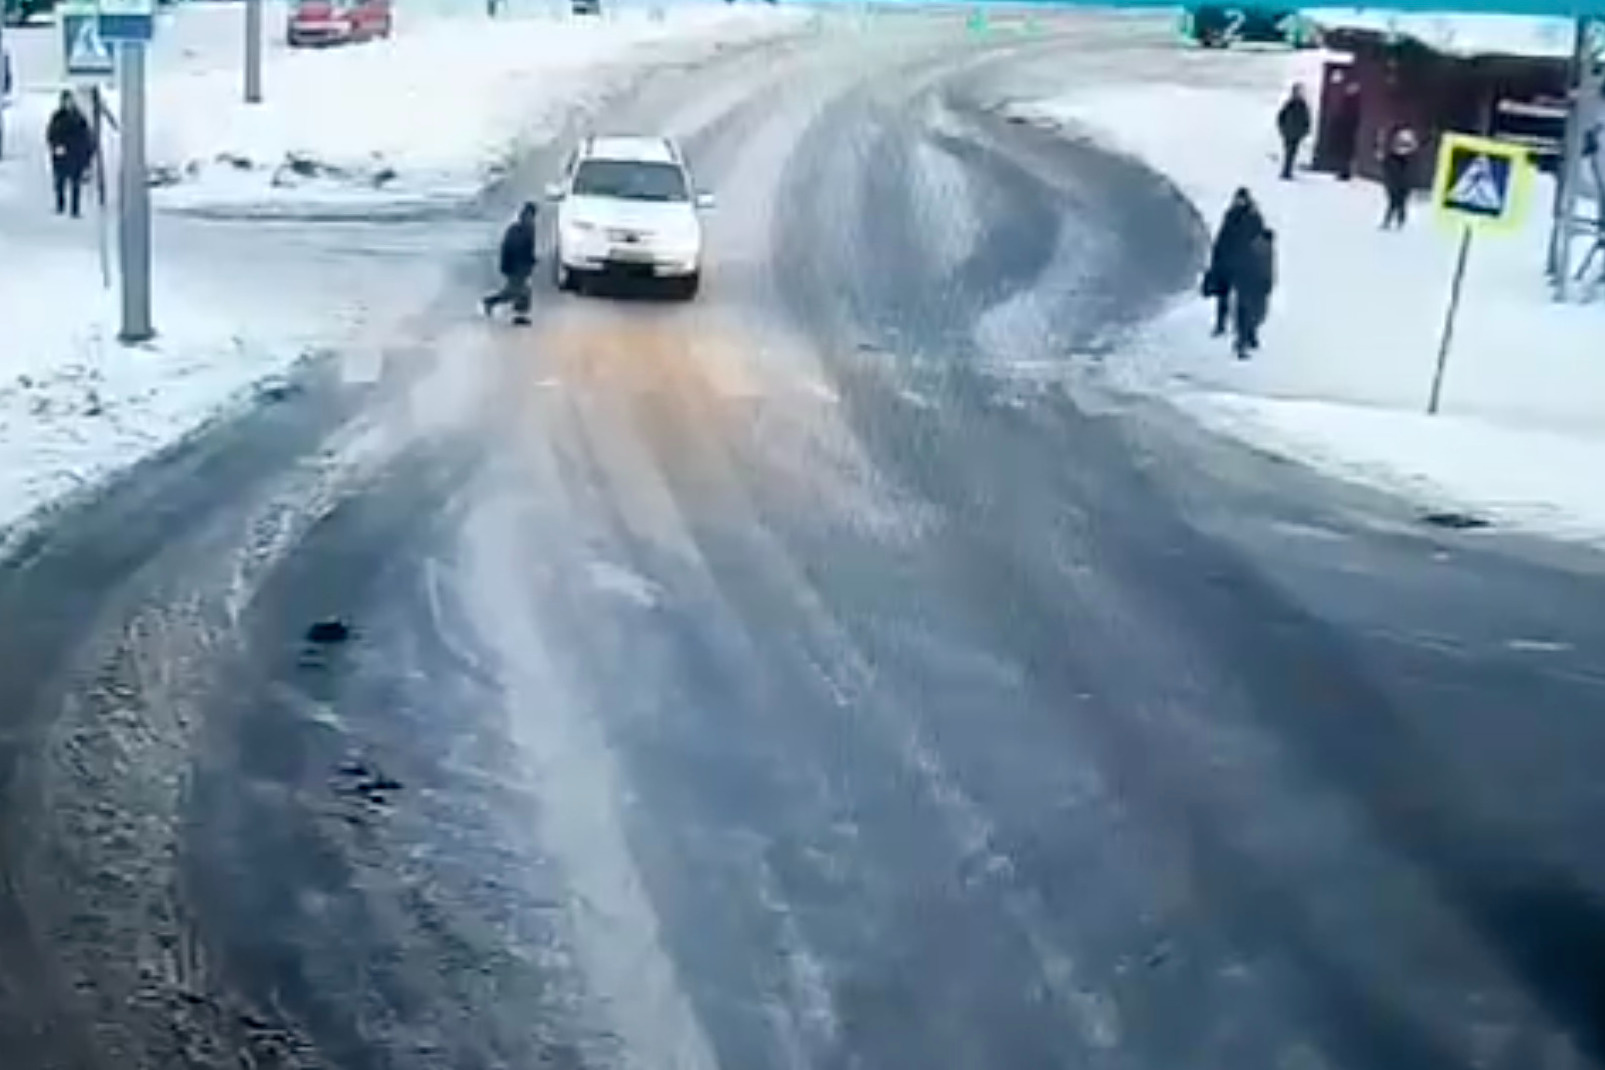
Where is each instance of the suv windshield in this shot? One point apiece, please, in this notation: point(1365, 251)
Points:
point(630, 180)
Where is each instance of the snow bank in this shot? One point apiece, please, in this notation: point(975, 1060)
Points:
point(75, 405)
point(426, 117)
point(1357, 315)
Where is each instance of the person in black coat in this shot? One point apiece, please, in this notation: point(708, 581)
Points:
point(1398, 165)
point(1256, 279)
point(1239, 226)
point(1345, 131)
point(72, 147)
point(1293, 122)
point(517, 263)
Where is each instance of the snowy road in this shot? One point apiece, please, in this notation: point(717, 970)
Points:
point(825, 674)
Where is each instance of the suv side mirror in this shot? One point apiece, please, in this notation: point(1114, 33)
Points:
point(705, 201)
point(554, 191)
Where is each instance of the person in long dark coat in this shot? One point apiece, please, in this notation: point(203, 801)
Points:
point(1344, 138)
point(72, 148)
point(1293, 122)
point(516, 261)
point(1256, 279)
point(1398, 165)
point(1237, 228)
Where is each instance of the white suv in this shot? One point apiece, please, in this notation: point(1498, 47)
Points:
point(626, 206)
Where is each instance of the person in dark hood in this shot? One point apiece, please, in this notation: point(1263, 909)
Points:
point(1293, 122)
point(72, 147)
point(516, 263)
point(1239, 226)
point(1256, 279)
point(1345, 131)
point(1398, 165)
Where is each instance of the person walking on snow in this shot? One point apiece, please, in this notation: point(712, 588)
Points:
point(1239, 226)
point(1293, 122)
point(517, 264)
point(1398, 159)
point(72, 147)
point(1255, 280)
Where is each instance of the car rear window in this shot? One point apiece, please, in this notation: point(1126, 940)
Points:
point(631, 180)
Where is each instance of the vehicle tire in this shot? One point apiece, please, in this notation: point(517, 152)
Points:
point(686, 287)
point(562, 278)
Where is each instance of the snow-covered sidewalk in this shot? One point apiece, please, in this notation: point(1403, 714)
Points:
point(1348, 356)
point(438, 108)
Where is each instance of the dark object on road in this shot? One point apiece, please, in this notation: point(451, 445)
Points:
point(1455, 521)
point(366, 781)
point(72, 147)
point(1256, 279)
point(516, 261)
point(332, 630)
point(586, 7)
point(1398, 163)
point(1239, 226)
point(1221, 26)
point(1293, 122)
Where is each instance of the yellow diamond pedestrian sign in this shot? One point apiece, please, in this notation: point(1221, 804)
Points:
point(1480, 182)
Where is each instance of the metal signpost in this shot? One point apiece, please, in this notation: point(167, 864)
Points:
point(129, 25)
point(253, 51)
point(1480, 184)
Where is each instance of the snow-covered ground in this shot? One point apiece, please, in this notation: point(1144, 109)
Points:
point(441, 104)
point(1347, 363)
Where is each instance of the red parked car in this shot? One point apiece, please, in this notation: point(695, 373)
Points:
point(337, 22)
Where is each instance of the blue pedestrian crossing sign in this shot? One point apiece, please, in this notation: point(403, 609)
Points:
point(86, 53)
point(1480, 182)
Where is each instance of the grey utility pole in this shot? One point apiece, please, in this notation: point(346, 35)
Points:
point(1584, 110)
point(133, 219)
point(253, 51)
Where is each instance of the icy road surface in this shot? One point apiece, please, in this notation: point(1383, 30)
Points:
point(825, 674)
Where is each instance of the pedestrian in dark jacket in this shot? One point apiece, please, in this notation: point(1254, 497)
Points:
point(1255, 281)
point(1344, 139)
point(516, 263)
point(1237, 228)
point(72, 147)
point(1293, 122)
point(1398, 164)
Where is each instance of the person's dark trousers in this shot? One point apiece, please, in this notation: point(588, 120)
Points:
point(1250, 314)
point(1289, 156)
point(1398, 208)
point(515, 290)
point(69, 188)
point(1223, 308)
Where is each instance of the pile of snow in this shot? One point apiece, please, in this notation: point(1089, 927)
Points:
point(1465, 35)
point(428, 116)
point(76, 405)
point(1349, 352)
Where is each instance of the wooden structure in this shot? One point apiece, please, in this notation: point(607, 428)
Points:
point(1395, 77)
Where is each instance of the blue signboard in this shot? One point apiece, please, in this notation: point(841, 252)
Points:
point(127, 20)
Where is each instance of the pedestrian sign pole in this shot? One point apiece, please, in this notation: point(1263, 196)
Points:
point(133, 217)
point(1480, 184)
point(99, 41)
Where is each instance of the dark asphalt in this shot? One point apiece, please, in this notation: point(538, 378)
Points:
point(801, 678)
